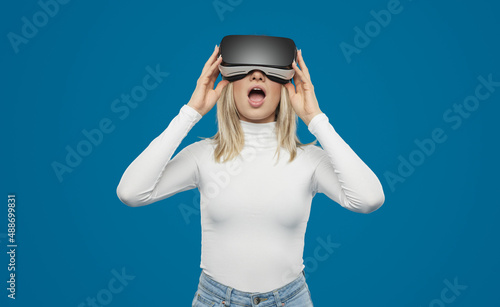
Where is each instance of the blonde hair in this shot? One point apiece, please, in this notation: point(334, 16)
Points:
point(230, 138)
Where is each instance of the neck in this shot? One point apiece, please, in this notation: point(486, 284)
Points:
point(259, 135)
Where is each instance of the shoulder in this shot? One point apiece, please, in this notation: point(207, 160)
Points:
point(200, 148)
point(314, 153)
point(312, 149)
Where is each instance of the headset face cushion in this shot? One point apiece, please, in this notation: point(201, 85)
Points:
point(272, 78)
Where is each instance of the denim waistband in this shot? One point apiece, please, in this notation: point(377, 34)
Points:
point(276, 297)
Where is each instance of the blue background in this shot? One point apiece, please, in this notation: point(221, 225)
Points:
point(438, 224)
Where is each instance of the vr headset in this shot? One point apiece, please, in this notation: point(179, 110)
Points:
point(242, 54)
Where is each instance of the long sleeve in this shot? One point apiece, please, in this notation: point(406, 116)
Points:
point(340, 174)
point(153, 176)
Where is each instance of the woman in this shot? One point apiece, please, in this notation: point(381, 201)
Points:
point(256, 182)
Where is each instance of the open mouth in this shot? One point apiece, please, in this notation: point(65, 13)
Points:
point(257, 95)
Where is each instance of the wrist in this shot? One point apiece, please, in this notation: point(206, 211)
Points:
point(196, 109)
point(311, 117)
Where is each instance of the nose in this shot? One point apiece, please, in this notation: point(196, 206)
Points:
point(258, 75)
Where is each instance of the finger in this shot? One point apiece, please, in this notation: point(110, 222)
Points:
point(211, 59)
point(302, 78)
point(298, 77)
point(213, 71)
point(210, 70)
point(220, 86)
point(303, 65)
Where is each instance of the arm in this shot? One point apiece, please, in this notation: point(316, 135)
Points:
point(152, 176)
point(340, 174)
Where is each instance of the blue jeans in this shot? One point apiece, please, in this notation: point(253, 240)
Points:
point(212, 293)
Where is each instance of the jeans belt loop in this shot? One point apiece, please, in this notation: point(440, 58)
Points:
point(227, 302)
point(277, 298)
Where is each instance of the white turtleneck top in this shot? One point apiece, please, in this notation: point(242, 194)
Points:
point(254, 211)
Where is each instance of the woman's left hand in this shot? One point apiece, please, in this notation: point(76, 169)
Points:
point(303, 100)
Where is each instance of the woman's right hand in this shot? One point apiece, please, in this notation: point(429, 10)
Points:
point(204, 96)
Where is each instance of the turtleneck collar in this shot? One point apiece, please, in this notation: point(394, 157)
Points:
point(260, 135)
